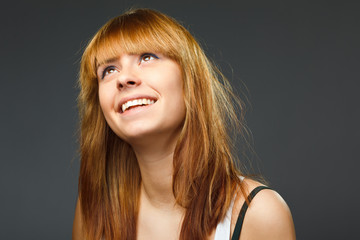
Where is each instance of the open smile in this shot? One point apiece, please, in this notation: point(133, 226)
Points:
point(127, 104)
point(136, 103)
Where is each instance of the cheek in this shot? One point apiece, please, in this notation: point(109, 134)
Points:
point(176, 87)
point(176, 95)
point(105, 99)
point(172, 82)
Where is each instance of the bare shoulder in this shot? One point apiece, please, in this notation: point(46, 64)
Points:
point(268, 216)
point(77, 224)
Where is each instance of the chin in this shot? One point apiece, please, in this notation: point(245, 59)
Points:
point(137, 134)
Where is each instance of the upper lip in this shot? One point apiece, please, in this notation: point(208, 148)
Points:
point(133, 97)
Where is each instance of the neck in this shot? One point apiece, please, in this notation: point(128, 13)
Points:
point(155, 160)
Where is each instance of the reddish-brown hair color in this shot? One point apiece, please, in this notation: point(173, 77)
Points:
point(205, 178)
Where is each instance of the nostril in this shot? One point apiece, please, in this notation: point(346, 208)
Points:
point(131, 83)
point(125, 83)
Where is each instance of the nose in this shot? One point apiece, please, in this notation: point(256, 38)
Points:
point(127, 78)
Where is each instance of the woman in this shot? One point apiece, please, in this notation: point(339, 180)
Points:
point(156, 158)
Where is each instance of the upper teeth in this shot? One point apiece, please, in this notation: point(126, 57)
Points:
point(136, 102)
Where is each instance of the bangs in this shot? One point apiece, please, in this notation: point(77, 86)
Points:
point(136, 34)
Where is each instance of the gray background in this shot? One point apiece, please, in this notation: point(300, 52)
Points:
point(299, 60)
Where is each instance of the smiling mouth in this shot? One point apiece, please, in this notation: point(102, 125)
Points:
point(136, 103)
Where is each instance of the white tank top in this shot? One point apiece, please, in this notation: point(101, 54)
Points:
point(222, 231)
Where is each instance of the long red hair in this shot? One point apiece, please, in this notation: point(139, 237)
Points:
point(205, 177)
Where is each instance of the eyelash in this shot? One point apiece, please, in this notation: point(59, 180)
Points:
point(141, 59)
point(105, 71)
point(147, 55)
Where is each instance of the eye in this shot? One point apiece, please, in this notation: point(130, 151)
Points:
point(146, 57)
point(107, 71)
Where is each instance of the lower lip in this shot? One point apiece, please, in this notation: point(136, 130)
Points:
point(135, 110)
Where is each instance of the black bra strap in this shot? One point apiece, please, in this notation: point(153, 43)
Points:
point(241, 216)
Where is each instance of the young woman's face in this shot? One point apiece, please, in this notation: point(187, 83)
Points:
point(141, 96)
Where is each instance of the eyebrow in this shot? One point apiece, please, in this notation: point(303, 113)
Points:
point(110, 60)
point(113, 59)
